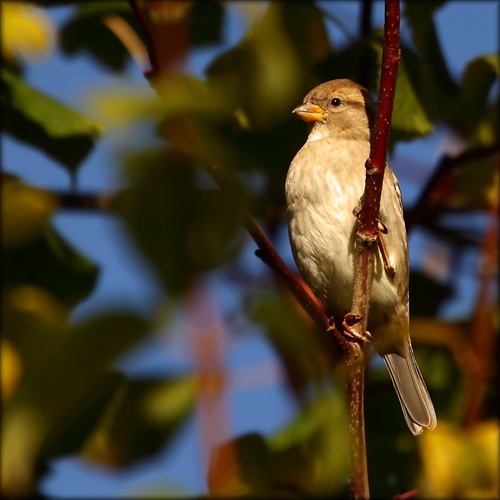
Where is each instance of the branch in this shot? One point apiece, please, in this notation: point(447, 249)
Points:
point(86, 201)
point(366, 238)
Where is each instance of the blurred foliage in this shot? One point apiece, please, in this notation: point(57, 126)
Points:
point(61, 389)
point(42, 122)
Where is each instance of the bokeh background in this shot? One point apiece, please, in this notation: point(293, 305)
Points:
point(141, 332)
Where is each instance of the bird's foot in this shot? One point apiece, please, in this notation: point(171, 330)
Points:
point(350, 320)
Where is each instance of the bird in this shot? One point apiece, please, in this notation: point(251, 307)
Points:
point(324, 187)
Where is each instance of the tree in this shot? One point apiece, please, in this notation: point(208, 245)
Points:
point(63, 395)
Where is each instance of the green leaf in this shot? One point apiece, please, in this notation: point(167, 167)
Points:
point(37, 119)
point(477, 81)
point(255, 71)
point(143, 416)
point(86, 31)
point(435, 85)
point(311, 453)
point(51, 263)
point(409, 118)
point(181, 227)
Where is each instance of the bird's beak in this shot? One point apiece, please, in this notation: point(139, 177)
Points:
point(309, 112)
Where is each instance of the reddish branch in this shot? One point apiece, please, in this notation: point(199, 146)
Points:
point(366, 236)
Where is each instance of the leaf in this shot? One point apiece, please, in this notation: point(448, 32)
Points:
point(435, 86)
point(85, 31)
point(304, 26)
point(141, 418)
point(25, 211)
point(479, 76)
point(409, 118)
point(11, 368)
point(27, 32)
point(311, 453)
point(253, 73)
point(38, 120)
point(51, 263)
point(460, 463)
point(182, 228)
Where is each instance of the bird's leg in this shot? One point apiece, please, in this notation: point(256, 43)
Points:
point(350, 332)
point(382, 229)
point(389, 267)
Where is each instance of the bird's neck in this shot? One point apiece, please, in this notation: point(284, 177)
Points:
point(322, 132)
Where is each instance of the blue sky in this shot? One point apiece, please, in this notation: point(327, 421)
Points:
point(467, 29)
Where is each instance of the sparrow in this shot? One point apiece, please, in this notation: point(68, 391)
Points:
point(324, 185)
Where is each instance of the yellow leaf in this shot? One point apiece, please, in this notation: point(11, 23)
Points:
point(27, 32)
point(460, 463)
point(11, 369)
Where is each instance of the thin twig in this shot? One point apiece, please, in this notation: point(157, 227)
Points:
point(446, 165)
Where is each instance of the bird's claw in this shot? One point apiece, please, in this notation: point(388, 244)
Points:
point(350, 332)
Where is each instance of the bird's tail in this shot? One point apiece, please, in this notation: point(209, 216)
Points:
point(412, 392)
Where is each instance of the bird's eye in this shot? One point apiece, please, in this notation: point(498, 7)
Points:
point(336, 102)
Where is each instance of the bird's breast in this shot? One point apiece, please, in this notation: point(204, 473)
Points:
point(324, 184)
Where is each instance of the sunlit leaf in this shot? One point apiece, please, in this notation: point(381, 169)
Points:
point(181, 95)
point(11, 368)
point(27, 31)
point(460, 463)
point(42, 122)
